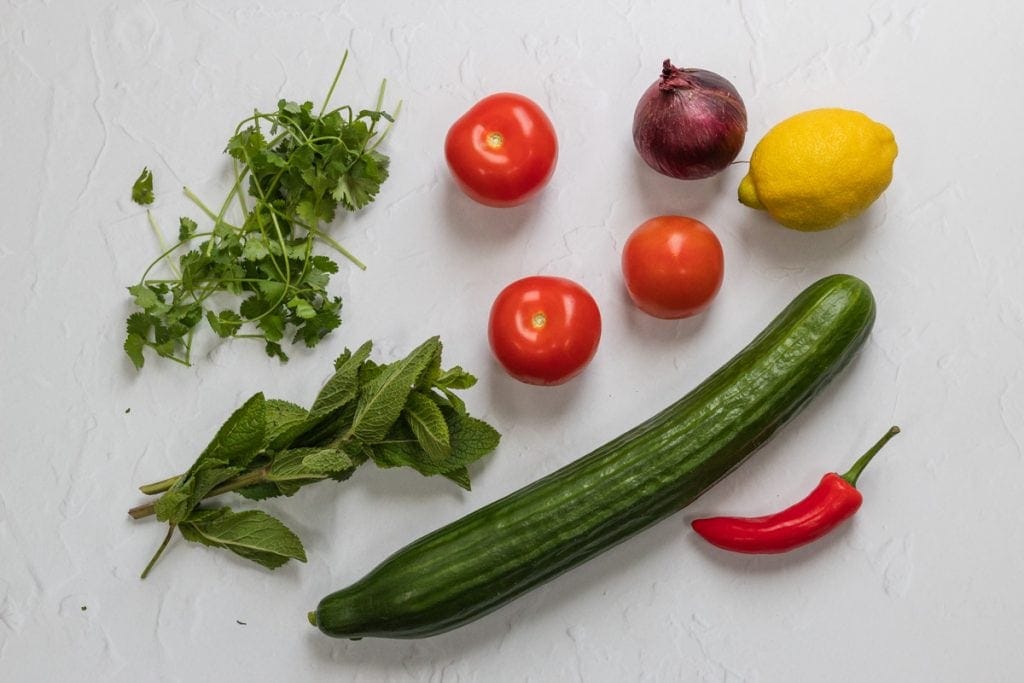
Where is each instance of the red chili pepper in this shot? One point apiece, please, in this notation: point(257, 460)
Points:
point(834, 500)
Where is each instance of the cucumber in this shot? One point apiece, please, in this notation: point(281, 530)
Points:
point(482, 561)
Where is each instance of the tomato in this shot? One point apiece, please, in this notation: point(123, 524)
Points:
point(673, 266)
point(502, 151)
point(544, 330)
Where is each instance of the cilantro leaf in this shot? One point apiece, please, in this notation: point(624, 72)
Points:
point(225, 323)
point(133, 346)
point(142, 189)
point(187, 228)
point(297, 168)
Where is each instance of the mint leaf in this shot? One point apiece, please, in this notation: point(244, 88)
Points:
point(142, 189)
point(252, 534)
point(395, 452)
point(472, 438)
point(237, 442)
point(204, 476)
point(173, 505)
point(343, 385)
point(381, 400)
point(285, 423)
point(241, 436)
point(460, 475)
point(428, 426)
point(308, 463)
point(260, 491)
point(328, 461)
point(455, 378)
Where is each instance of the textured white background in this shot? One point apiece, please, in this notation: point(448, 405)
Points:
point(923, 585)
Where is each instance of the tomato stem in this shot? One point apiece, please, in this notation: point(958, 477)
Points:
point(495, 140)
point(862, 462)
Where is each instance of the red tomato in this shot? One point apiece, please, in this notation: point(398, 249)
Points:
point(502, 151)
point(673, 266)
point(544, 330)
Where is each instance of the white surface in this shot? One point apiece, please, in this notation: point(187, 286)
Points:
point(923, 585)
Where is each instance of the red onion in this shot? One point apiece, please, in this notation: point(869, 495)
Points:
point(690, 123)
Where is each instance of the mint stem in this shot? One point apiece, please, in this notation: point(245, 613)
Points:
point(159, 486)
point(239, 482)
point(159, 552)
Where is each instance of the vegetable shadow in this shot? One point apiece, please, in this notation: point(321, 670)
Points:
point(779, 247)
point(660, 334)
point(381, 658)
point(486, 227)
point(540, 406)
point(667, 196)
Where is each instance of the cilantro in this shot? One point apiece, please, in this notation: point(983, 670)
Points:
point(293, 168)
point(399, 414)
point(142, 189)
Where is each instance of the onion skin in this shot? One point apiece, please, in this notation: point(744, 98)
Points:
point(690, 123)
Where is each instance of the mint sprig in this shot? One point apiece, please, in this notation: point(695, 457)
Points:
point(293, 168)
point(399, 414)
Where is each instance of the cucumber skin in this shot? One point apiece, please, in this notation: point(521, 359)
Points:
point(487, 558)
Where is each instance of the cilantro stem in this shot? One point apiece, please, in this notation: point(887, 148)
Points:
point(165, 254)
point(239, 174)
point(340, 249)
point(162, 242)
point(334, 83)
point(159, 552)
point(218, 219)
point(387, 128)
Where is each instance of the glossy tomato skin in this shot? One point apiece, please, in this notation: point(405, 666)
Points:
point(502, 151)
point(544, 330)
point(673, 266)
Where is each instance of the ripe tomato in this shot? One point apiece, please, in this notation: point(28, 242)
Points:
point(502, 151)
point(673, 266)
point(544, 330)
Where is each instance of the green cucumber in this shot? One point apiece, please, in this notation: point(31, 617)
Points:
point(482, 561)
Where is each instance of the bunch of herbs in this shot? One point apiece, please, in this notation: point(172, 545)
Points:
point(297, 167)
point(400, 414)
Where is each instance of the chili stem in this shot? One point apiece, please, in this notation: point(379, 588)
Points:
point(862, 462)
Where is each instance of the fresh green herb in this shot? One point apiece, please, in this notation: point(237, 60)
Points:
point(399, 414)
point(142, 189)
point(293, 168)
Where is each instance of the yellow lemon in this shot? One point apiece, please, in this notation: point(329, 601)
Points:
point(819, 168)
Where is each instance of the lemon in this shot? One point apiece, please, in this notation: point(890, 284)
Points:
point(819, 168)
